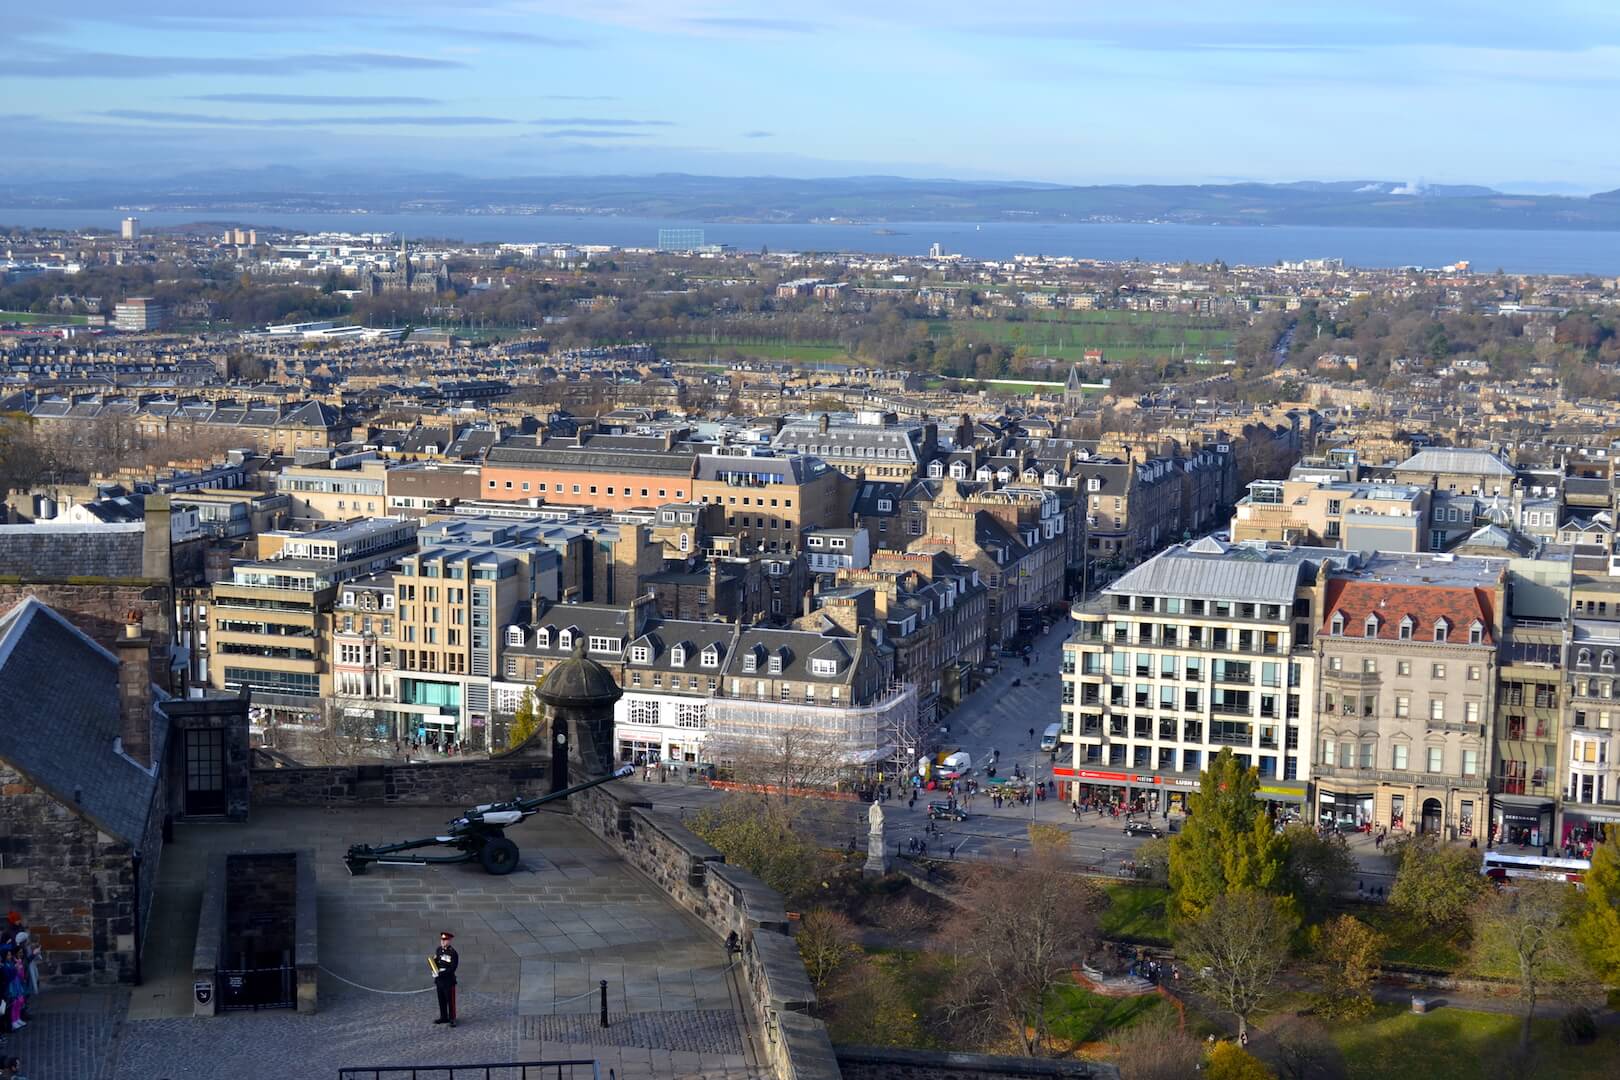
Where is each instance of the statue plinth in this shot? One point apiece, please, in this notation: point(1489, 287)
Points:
point(877, 854)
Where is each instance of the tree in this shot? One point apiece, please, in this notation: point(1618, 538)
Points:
point(1226, 845)
point(1597, 924)
point(525, 722)
point(1229, 1061)
point(764, 837)
point(1153, 860)
point(1235, 949)
point(787, 759)
point(1435, 884)
point(826, 941)
point(1020, 928)
point(1525, 932)
point(1158, 1048)
point(1317, 868)
point(1350, 952)
point(872, 1006)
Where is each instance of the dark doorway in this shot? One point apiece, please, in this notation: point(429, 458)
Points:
point(1431, 815)
point(205, 771)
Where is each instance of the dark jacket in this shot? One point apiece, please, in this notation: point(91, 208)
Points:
point(448, 960)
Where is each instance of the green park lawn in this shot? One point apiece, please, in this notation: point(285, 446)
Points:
point(1075, 1014)
point(31, 317)
point(1453, 1044)
point(1136, 913)
point(770, 350)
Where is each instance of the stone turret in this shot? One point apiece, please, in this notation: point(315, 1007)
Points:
point(579, 695)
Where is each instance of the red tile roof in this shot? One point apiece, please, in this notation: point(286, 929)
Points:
point(1459, 606)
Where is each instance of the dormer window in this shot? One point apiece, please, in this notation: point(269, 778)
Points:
point(514, 635)
point(775, 663)
point(1584, 658)
point(1606, 661)
point(711, 657)
point(604, 644)
point(1338, 624)
point(821, 666)
point(1441, 629)
point(750, 661)
point(1476, 633)
point(677, 656)
point(1370, 627)
point(1406, 628)
point(935, 469)
point(565, 639)
point(640, 654)
point(958, 470)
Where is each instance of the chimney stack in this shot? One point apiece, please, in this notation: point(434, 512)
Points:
point(135, 690)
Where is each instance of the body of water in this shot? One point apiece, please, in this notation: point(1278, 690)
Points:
point(1517, 251)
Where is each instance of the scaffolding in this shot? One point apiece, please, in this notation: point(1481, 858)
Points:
point(850, 735)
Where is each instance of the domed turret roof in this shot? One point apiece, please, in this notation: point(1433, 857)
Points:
point(579, 681)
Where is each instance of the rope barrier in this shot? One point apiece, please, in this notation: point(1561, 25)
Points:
point(372, 989)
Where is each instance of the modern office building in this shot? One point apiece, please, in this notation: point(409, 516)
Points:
point(138, 314)
point(131, 228)
point(680, 240)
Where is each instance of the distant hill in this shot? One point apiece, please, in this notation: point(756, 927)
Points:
point(874, 199)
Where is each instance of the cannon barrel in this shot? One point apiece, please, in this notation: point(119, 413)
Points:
point(529, 805)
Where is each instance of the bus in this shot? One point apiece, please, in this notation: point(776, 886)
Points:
point(1501, 866)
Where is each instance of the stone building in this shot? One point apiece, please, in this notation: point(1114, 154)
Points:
point(94, 759)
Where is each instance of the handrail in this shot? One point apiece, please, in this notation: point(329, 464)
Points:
point(484, 1071)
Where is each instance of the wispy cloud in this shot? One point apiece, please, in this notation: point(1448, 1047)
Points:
point(752, 24)
point(311, 99)
point(757, 134)
point(596, 133)
point(578, 97)
point(152, 116)
point(73, 64)
point(598, 122)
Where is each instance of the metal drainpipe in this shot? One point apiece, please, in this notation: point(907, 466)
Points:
point(135, 862)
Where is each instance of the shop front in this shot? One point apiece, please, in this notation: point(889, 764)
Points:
point(1284, 799)
point(1159, 792)
point(1583, 826)
point(1347, 811)
point(1522, 820)
point(1345, 805)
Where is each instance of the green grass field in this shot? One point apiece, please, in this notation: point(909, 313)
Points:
point(1066, 335)
point(1136, 913)
point(1075, 1014)
point(55, 320)
point(773, 350)
point(1453, 1044)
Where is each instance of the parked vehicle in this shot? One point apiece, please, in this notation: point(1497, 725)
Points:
point(938, 811)
point(1143, 828)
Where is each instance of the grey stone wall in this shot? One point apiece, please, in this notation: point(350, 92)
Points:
point(728, 900)
point(884, 1063)
point(438, 783)
point(73, 885)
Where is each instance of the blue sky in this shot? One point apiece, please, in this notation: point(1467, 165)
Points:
point(1169, 91)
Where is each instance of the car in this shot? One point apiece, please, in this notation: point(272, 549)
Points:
point(1143, 828)
point(945, 811)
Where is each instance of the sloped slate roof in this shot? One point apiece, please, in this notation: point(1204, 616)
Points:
point(1454, 460)
point(51, 552)
point(61, 717)
point(1199, 576)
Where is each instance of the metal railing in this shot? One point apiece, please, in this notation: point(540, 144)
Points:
point(581, 1069)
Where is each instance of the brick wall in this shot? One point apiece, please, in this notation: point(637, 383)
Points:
point(98, 607)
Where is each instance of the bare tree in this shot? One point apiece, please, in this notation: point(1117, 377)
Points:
point(1526, 932)
point(1236, 949)
point(1158, 1048)
point(1021, 927)
point(780, 761)
point(826, 941)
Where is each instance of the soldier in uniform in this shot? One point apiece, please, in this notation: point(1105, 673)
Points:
point(444, 961)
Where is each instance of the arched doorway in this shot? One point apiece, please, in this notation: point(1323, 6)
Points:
point(1431, 816)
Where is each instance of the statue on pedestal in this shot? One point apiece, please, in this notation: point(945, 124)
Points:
point(877, 856)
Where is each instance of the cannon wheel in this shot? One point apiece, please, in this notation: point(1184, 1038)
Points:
point(499, 856)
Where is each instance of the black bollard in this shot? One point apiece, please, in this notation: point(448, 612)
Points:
point(604, 1003)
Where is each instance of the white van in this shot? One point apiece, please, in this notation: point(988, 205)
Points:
point(954, 765)
point(1049, 740)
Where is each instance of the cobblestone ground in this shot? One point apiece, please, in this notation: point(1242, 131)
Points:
point(71, 1035)
point(353, 1028)
point(700, 1031)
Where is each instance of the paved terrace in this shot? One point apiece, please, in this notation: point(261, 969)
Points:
point(533, 946)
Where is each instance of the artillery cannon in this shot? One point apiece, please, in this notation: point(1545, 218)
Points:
point(479, 834)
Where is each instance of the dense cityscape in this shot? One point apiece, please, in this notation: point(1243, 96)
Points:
point(711, 541)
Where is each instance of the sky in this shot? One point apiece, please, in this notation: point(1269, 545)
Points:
point(1517, 96)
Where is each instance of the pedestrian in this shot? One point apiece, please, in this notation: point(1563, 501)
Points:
point(443, 963)
point(1243, 1038)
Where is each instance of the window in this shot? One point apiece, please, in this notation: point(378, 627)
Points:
point(1437, 671)
point(1406, 628)
point(1403, 667)
point(514, 635)
point(1470, 762)
point(1441, 627)
point(1476, 633)
point(1436, 759)
point(1473, 673)
point(604, 644)
point(1369, 666)
point(1366, 759)
point(677, 656)
point(1437, 710)
point(1338, 623)
point(1471, 712)
point(1328, 751)
point(823, 666)
point(1400, 757)
point(1370, 627)
point(642, 711)
point(640, 654)
point(1403, 705)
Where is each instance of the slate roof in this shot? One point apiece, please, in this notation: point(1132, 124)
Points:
point(52, 552)
point(62, 715)
point(1455, 460)
point(1266, 577)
